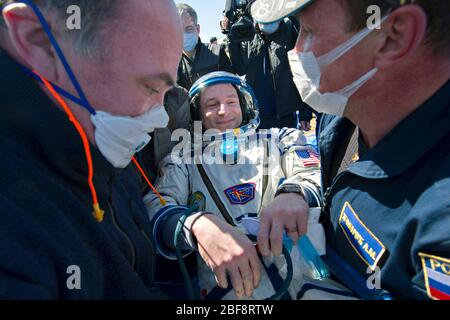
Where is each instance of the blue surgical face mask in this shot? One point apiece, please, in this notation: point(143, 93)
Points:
point(190, 41)
point(117, 137)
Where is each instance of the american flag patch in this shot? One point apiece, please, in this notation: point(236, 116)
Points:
point(436, 271)
point(309, 158)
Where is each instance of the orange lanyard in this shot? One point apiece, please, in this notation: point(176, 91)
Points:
point(98, 213)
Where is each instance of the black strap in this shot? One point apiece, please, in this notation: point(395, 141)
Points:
point(218, 293)
point(276, 280)
point(265, 170)
point(310, 286)
point(272, 273)
point(214, 195)
point(279, 284)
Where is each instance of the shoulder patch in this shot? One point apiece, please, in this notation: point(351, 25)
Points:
point(241, 194)
point(436, 271)
point(197, 201)
point(368, 247)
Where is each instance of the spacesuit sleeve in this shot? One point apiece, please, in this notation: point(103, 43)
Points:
point(173, 185)
point(301, 164)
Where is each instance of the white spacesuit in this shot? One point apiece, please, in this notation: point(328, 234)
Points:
point(261, 164)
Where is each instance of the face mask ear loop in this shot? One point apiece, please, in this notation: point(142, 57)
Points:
point(343, 48)
point(161, 199)
point(97, 213)
point(60, 54)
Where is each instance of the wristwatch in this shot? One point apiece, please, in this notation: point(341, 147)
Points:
point(290, 188)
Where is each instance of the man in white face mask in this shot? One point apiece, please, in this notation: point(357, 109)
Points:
point(75, 108)
point(383, 82)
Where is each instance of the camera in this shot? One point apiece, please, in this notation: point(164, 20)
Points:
point(240, 23)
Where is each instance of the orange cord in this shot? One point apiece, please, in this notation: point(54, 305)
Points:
point(161, 199)
point(98, 213)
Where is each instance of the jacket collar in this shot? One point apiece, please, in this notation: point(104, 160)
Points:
point(30, 121)
point(335, 133)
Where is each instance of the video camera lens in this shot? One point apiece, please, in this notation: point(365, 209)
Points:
point(240, 25)
point(242, 30)
point(241, 4)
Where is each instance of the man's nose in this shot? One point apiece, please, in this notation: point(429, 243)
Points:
point(158, 98)
point(302, 37)
point(222, 109)
point(299, 44)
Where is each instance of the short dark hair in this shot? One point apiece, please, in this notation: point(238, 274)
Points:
point(437, 11)
point(94, 15)
point(184, 9)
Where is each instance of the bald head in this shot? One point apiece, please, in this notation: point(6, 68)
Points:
point(142, 47)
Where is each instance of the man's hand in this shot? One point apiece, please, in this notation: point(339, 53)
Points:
point(289, 212)
point(227, 251)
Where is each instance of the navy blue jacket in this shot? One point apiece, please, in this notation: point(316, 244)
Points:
point(46, 225)
point(393, 204)
point(206, 60)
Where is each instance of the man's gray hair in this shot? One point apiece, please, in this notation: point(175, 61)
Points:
point(184, 8)
point(96, 16)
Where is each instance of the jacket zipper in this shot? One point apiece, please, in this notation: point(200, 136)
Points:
point(152, 262)
point(141, 228)
point(326, 195)
point(126, 237)
point(121, 231)
point(271, 67)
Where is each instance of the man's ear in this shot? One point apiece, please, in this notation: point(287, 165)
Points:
point(401, 34)
point(30, 40)
point(198, 28)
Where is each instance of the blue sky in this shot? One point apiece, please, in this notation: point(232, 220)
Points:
point(209, 15)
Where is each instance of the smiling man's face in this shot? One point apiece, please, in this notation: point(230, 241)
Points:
point(220, 107)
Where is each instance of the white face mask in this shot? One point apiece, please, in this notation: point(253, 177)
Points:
point(307, 71)
point(269, 28)
point(190, 41)
point(119, 137)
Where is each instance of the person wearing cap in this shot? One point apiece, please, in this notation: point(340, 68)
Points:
point(383, 81)
point(75, 107)
point(230, 189)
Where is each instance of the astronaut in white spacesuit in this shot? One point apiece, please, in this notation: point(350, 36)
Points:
point(266, 189)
